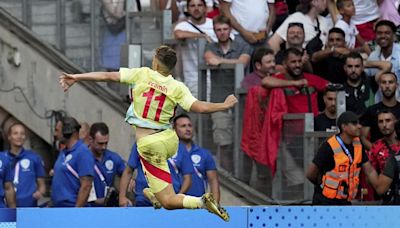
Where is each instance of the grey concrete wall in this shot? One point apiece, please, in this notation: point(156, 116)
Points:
point(37, 76)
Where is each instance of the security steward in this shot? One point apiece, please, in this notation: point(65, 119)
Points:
point(335, 170)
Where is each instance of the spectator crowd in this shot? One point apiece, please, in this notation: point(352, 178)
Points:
point(297, 56)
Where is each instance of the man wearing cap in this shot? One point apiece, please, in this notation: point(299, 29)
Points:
point(73, 170)
point(338, 162)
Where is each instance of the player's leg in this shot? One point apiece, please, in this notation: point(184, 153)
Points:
point(154, 150)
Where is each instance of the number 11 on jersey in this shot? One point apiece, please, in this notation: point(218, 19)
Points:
point(149, 98)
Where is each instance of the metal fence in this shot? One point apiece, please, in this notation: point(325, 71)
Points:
point(299, 142)
point(78, 29)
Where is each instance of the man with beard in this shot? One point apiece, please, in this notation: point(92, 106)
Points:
point(389, 182)
point(295, 39)
point(388, 85)
point(326, 121)
point(386, 146)
point(300, 88)
point(359, 95)
point(387, 49)
point(264, 66)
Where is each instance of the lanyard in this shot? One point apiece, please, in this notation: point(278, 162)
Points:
point(100, 175)
point(201, 177)
point(173, 165)
point(16, 176)
point(344, 148)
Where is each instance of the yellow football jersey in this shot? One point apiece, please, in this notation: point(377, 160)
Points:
point(154, 97)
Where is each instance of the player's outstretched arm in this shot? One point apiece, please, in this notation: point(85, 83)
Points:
point(208, 107)
point(67, 80)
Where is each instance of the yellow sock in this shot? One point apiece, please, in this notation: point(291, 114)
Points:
point(191, 202)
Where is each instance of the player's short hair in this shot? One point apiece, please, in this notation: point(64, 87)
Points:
point(167, 56)
point(98, 127)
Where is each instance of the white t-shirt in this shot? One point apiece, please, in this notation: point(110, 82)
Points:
point(350, 30)
point(252, 15)
point(310, 27)
point(366, 10)
point(190, 54)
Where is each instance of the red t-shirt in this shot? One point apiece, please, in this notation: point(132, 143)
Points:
point(379, 153)
point(297, 98)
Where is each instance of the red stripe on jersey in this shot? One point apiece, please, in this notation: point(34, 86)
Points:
point(157, 172)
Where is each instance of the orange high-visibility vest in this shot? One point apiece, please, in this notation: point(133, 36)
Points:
point(342, 182)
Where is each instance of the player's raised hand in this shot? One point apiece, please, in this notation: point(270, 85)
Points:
point(230, 101)
point(66, 81)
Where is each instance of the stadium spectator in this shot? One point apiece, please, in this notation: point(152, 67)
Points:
point(315, 26)
point(387, 84)
point(264, 66)
point(295, 39)
point(367, 12)
point(72, 184)
point(27, 169)
point(222, 84)
point(205, 171)
point(386, 146)
point(341, 153)
point(225, 50)
point(326, 121)
point(347, 11)
point(300, 88)
point(108, 164)
point(197, 26)
point(387, 50)
point(359, 95)
point(251, 19)
point(388, 183)
point(329, 62)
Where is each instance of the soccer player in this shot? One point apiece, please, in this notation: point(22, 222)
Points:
point(155, 95)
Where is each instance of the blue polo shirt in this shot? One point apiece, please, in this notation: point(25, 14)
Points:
point(110, 165)
point(65, 186)
point(181, 166)
point(5, 176)
point(203, 162)
point(26, 167)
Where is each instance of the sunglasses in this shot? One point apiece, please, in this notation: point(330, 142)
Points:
point(298, 24)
